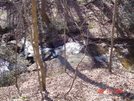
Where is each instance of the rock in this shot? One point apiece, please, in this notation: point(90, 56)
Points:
point(3, 67)
point(7, 37)
point(3, 16)
point(57, 64)
point(75, 59)
point(17, 68)
point(104, 60)
point(12, 42)
point(103, 44)
point(28, 49)
point(59, 50)
point(132, 68)
point(126, 57)
point(59, 41)
point(33, 67)
point(49, 53)
point(71, 48)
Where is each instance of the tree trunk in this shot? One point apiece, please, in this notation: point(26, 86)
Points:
point(112, 38)
point(44, 14)
point(36, 45)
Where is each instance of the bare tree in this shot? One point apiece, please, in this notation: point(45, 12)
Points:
point(112, 38)
point(36, 45)
point(30, 30)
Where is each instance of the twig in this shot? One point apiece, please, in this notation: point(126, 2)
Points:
point(75, 75)
point(77, 69)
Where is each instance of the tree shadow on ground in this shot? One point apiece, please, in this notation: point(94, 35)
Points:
point(123, 95)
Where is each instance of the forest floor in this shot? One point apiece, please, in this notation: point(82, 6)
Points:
point(98, 20)
point(88, 86)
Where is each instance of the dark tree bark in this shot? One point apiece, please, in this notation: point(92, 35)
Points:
point(44, 14)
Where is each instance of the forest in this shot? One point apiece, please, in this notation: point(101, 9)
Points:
point(66, 50)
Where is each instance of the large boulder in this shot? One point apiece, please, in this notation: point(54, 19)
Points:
point(57, 64)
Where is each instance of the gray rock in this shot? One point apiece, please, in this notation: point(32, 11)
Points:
point(57, 64)
point(3, 67)
point(71, 48)
point(6, 67)
point(17, 68)
point(3, 16)
point(76, 58)
point(33, 67)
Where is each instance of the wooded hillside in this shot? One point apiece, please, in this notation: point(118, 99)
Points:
point(66, 50)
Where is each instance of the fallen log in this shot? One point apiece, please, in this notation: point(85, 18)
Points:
point(116, 40)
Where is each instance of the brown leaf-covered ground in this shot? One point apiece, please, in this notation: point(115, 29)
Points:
point(85, 88)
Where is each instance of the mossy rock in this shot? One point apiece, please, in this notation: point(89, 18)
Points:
point(128, 64)
point(96, 50)
point(127, 59)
